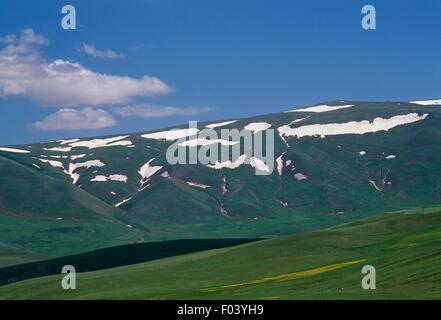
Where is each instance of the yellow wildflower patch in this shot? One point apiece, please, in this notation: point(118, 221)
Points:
point(285, 277)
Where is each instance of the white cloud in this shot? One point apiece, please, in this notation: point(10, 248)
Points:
point(27, 38)
point(89, 48)
point(154, 111)
point(73, 119)
point(24, 72)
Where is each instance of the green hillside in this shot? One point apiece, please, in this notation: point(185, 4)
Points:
point(104, 258)
point(403, 246)
point(324, 180)
point(12, 256)
point(41, 213)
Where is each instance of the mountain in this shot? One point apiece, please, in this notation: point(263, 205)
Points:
point(402, 246)
point(336, 162)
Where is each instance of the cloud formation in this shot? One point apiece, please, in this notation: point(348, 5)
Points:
point(89, 48)
point(24, 72)
point(74, 119)
point(154, 111)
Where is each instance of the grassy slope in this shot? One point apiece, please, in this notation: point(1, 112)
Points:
point(338, 189)
point(109, 257)
point(403, 246)
point(45, 214)
point(12, 256)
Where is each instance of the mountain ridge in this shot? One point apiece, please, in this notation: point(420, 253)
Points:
point(320, 180)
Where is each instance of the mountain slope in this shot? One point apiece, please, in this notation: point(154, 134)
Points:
point(12, 256)
point(404, 247)
point(336, 163)
point(105, 258)
point(42, 213)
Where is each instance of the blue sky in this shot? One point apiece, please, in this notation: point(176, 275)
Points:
point(215, 59)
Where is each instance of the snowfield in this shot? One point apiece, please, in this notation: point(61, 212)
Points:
point(101, 143)
point(67, 141)
point(59, 149)
point(300, 177)
point(77, 156)
point(256, 127)
point(428, 102)
point(53, 163)
point(88, 164)
point(198, 185)
point(171, 134)
point(219, 124)
point(254, 162)
point(352, 127)
point(13, 150)
point(206, 142)
point(122, 202)
point(147, 170)
point(112, 177)
point(229, 164)
point(279, 162)
point(259, 164)
point(322, 108)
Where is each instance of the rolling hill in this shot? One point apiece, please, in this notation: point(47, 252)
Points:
point(105, 258)
point(404, 247)
point(336, 162)
point(11, 256)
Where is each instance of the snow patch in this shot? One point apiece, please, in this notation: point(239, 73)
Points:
point(259, 164)
point(14, 150)
point(283, 203)
point(53, 163)
point(206, 142)
point(88, 164)
point(322, 108)
point(78, 156)
point(374, 184)
point(257, 126)
point(353, 127)
point(198, 185)
point(219, 124)
point(228, 164)
point(428, 102)
point(146, 171)
point(100, 143)
point(300, 176)
point(279, 162)
point(362, 153)
point(67, 141)
point(390, 157)
point(59, 149)
point(112, 177)
point(122, 202)
point(171, 134)
point(224, 186)
point(284, 129)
